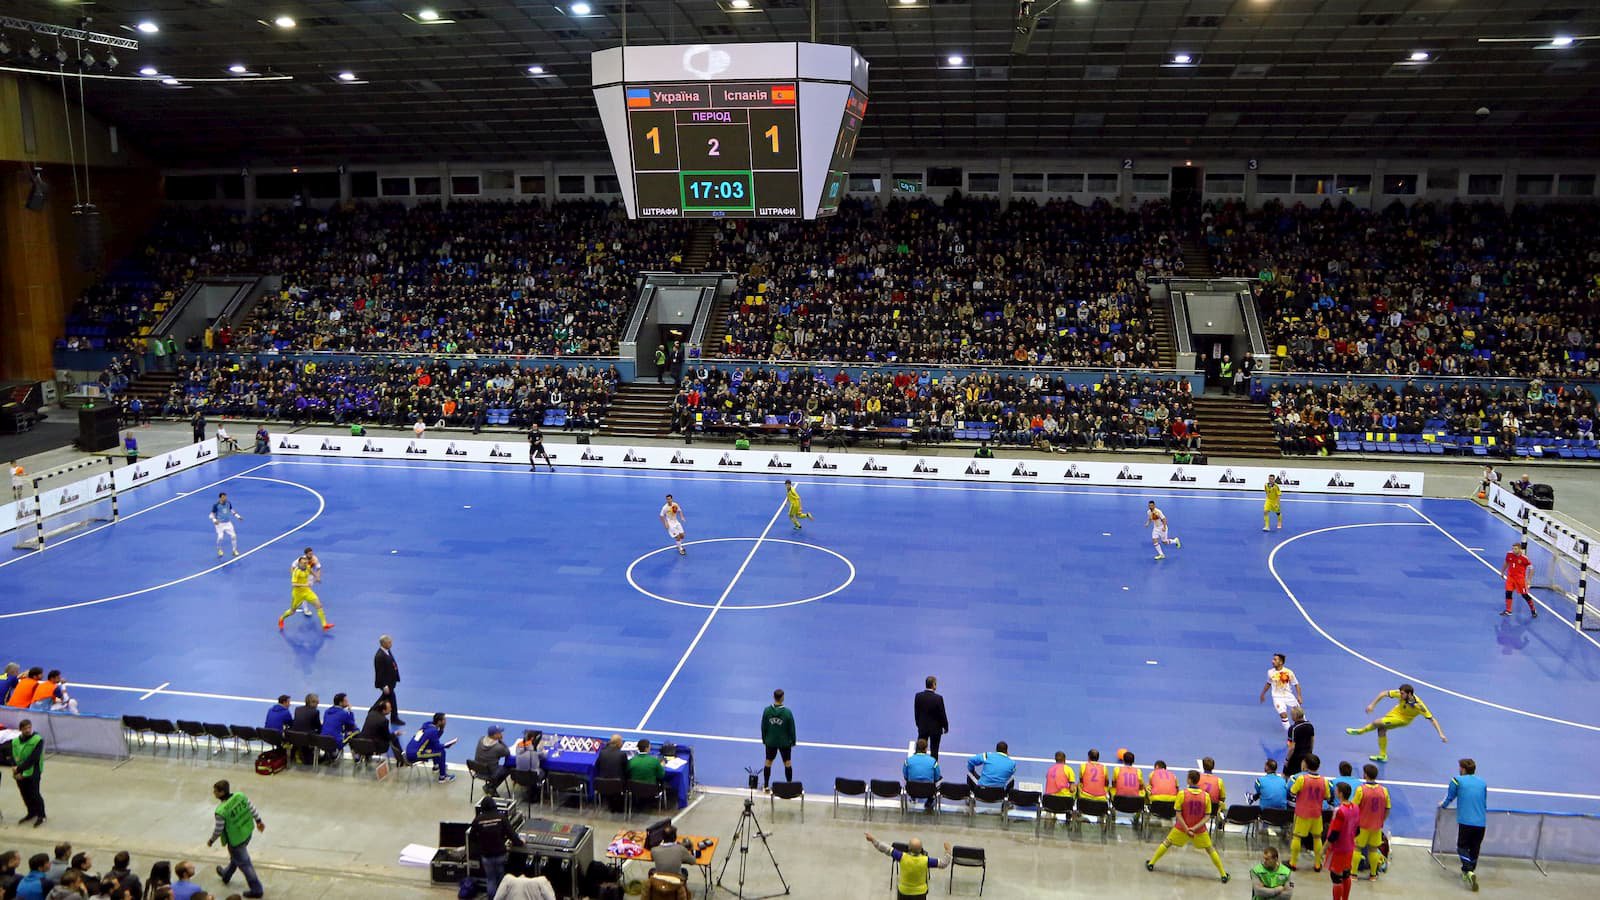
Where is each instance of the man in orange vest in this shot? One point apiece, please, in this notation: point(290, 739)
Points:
point(1310, 793)
point(1190, 826)
point(22, 695)
point(1059, 779)
point(1095, 783)
point(1212, 784)
point(1128, 781)
point(1164, 784)
point(1373, 800)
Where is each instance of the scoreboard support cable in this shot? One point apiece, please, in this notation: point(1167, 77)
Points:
point(763, 130)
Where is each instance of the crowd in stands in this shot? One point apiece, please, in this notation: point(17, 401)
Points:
point(473, 277)
point(1120, 412)
point(36, 689)
point(1307, 417)
point(962, 282)
point(395, 393)
point(69, 875)
point(1422, 290)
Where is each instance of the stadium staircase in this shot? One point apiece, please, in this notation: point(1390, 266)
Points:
point(1234, 426)
point(641, 409)
point(1161, 317)
point(1196, 261)
point(151, 387)
point(702, 242)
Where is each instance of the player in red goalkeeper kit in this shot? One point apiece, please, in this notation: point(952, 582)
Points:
point(1516, 573)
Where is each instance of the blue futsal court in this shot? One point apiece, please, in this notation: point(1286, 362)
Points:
point(555, 599)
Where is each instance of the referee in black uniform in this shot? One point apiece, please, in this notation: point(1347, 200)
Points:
point(1301, 738)
point(536, 450)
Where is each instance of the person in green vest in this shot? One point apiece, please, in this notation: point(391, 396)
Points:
point(915, 864)
point(1270, 878)
point(236, 822)
point(661, 364)
point(777, 735)
point(27, 754)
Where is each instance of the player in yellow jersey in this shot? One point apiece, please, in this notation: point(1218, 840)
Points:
point(300, 592)
point(795, 512)
point(1190, 826)
point(1373, 802)
point(1404, 713)
point(1273, 506)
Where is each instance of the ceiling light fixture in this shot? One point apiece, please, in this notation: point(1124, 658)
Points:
point(34, 53)
point(1561, 40)
point(148, 27)
point(111, 59)
point(170, 81)
point(87, 59)
point(581, 9)
point(536, 70)
point(739, 4)
point(1182, 59)
point(61, 55)
point(5, 47)
point(428, 15)
point(239, 69)
point(149, 71)
point(284, 21)
point(1419, 56)
point(347, 76)
point(955, 59)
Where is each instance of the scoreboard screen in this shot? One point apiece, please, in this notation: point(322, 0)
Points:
point(731, 130)
point(708, 149)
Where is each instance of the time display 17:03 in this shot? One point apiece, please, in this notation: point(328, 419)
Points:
point(721, 190)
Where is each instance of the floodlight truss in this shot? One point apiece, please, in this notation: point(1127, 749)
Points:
point(71, 34)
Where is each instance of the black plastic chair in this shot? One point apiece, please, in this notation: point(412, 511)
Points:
point(531, 787)
point(787, 790)
point(644, 793)
point(363, 749)
point(162, 728)
point(884, 789)
point(476, 773)
point(1099, 810)
point(193, 731)
point(924, 792)
point(560, 784)
point(954, 792)
point(1132, 806)
point(271, 737)
point(1020, 801)
point(330, 751)
point(1239, 814)
point(219, 736)
point(1052, 806)
point(613, 792)
point(848, 787)
point(137, 726)
point(301, 746)
point(244, 736)
point(968, 857)
point(1163, 811)
point(1277, 818)
point(989, 796)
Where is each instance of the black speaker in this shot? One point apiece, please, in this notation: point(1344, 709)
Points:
point(86, 221)
point(38, 194)
point(97, 427)
point(583, 437)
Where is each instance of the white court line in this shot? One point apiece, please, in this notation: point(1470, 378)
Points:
point(1559, 616)
point(51, 546)
point(321, 505)
point(155, 690)
point(1273, 568)
point(712, 615)
point(848, 481)
point(815, 745)
point(775, 605)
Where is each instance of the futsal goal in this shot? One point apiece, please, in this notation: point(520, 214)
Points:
point(63, 500)
point(1562, 552)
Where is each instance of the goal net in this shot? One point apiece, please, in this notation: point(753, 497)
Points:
point(64, 500)
point(1563, 553)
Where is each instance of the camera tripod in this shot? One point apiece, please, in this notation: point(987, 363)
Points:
point(747, 828)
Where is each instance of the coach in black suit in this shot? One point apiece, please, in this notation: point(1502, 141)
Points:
point(931, 721)
point(385, 675)
point(307, 718)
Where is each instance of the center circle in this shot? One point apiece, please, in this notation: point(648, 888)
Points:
point(672, 548)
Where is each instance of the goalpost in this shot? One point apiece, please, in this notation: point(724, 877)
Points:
point(62, 500)
point(1562, 553)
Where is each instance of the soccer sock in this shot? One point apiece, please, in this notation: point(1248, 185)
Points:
point(788, 773)
point(286, 613)
point(766, 774)
point(1266, 519)
point(1525, 597)
point(1374, 860)
point(1294, 851)
point(321, 619)
point(1508, 601)
point(1383, 745)
point(1216, 860)
point(1160, 852)
point(1316, 849)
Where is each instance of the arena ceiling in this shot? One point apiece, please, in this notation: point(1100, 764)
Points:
point(1264, 78)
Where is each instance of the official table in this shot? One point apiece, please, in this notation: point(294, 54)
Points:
point(701, 861)
point(582, 762)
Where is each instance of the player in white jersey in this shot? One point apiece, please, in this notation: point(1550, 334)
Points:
point(1158, 531)
point(222, 516)
point(672, 519)
point(1285, 689)
point(314, 565)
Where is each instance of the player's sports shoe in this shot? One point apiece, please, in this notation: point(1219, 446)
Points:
point(1225, 877)
point(1161, 556)
point(219, 552)
point(682, 552)
point(1472, 881)
point(1149, 866)
point(1352, 731)
point(327, 626)
point(1534, 611)
point(280, 623)
point(1265, 528)
point(305, 611)
point(1505, 612)
point(1317, 867)
point(1381, 757)
point(446, 778)
point(236, 551)
point(1177, 543)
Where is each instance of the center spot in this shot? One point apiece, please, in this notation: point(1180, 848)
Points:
point(782, 573)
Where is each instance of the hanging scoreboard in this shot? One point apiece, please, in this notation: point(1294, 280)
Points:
point(731, 130)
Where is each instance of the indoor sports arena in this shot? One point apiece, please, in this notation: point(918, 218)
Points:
point(816, 448)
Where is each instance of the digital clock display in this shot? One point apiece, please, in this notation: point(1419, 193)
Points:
point(727, 191)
